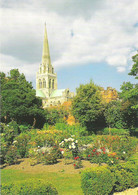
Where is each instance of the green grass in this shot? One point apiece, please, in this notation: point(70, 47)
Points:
point(66, 184)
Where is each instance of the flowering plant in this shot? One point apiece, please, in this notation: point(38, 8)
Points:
point(70, 144)
point(77, 162)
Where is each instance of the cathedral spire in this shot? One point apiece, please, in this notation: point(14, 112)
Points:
point(46, 54)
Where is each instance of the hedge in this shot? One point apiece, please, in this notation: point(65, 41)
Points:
point(97, 180)
point(114, 131)
point(28, 187)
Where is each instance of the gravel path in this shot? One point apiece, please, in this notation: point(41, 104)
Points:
point(131, 191)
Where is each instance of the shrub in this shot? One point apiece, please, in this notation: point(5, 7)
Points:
point(21, 143)
point(77, 162)
point(114, 131)
point(45, 155)
point(10, 131)
point(125, 175)
point(24, 128)
point(11, 156)
point(29, 187)
point(97, 180)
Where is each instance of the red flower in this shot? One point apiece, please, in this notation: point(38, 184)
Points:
point(42, 152)
point(89, 155)
point(94, 150)
point(75, 158)
point(74, 165)
point(104, 149)
point(104, 153)
point(97, 153)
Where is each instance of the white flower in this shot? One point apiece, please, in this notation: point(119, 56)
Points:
point(112, 161)
point(38, 146)
point(62, 152)
point(124, 152)
point(14, 142)
point(69, 146)
point(66, 140)
point(76, 141)
point(7, 125)
point(99, 150)
point(107, 150)
point(73, 146)
point(72, 135)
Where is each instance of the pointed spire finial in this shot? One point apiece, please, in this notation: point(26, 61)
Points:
point(46, 53)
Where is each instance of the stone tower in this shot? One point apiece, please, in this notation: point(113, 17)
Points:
point(46, 79)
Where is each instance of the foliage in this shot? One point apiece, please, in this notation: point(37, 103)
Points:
point(114, 131)
point(10, 131)
point(126, 176)
point(76, 129)
point(77, 162)
point(70, 144)
point(24, 128)
point(30, 187)
point(134, 70)
point(124, 146)
point(11, 156)
point(21, 143)
point(45, 155)
point(113, 114)
point(55, 115)
point(97, 180)
point(87, 106)
point(19, 101)
point(101, 155)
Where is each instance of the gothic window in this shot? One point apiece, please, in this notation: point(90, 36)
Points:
point(40, 83)
point(49, 83)
point(53, 84)
point(44, 83)
point(52, 70)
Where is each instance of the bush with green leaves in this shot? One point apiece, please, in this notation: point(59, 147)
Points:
point(29, 187)
point(114, 131)
point(10, 131)
point(12, 155)
point(125, 175)
point(97, 180)
point(45, 155)
point(21, 143)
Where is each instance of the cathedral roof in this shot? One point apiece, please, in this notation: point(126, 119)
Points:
point(57, 93)
point(39, 93)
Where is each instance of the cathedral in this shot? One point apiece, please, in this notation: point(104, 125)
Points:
point(46, 81)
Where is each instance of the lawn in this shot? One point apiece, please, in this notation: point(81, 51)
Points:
point(66, 184)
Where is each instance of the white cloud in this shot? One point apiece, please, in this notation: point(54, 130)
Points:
point(79, 33)
point(121, 69)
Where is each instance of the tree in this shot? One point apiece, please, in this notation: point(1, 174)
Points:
point(113, 114)
point(134, 70)
point(87, 106)
point(19, 102)
point(129, 97)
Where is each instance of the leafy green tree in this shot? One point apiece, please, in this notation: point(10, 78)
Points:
point(134, 70)
point(19, 102)
point(113, 114)
point(87, 106)
point(129, 97)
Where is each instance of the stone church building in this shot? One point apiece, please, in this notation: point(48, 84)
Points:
point(46, 81)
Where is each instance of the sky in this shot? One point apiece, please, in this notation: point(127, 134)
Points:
point(93, 39)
